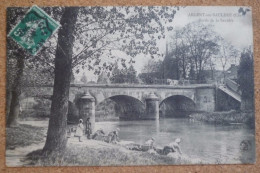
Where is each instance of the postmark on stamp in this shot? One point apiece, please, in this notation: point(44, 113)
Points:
point(34, 29)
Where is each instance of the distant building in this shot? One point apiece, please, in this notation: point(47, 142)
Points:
point(231, 73)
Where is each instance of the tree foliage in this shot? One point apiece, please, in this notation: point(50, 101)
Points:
point(103, 78)
point(152, 66)
point(124, 75)
point(194, 49)
point(152, 71)
point(189, 52)
point(24, 69)
point(84, 78)
point(133, 30)
point(246, 79)
point(227, 54)
point(198, 43)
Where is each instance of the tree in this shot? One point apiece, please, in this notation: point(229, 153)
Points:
point(21, 74)
point(103, 78)
point(192, 50)
point(227, 54)
point(131, 75)
point(152, 71)
point(15, 67)
point(19, 63)
point(170, 67)
point(97, 31)
point(124, 75)
point(100, 30)
point(212, 67)
point(84, 78)
point(117, 75)
point(152, 66)
point(14, 91)
point(180, 56)
point(201, 46)
point(246, 79)
point(56, 135)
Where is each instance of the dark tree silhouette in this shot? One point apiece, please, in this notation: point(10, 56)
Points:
point(246, 79)
point(56, 136)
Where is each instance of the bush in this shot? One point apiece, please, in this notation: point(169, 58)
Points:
point(23, 135)
point(225, 117)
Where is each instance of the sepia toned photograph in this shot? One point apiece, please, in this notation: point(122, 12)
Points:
point(129, 85)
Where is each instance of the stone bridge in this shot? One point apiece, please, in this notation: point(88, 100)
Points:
point(86, 97)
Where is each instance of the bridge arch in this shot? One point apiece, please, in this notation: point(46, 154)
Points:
point(117, 97)
point(122, 106)
point(177, 106)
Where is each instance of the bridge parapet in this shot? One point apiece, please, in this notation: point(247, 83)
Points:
point(144, 86)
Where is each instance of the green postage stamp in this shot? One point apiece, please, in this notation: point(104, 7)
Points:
point(34, 29)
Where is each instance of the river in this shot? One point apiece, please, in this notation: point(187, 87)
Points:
point(210, 143)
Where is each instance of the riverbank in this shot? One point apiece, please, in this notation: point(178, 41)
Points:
point(98, 153)
point(23, 135)
point(230, 117)
point(24, 144)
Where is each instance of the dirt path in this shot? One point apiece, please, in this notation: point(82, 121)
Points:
point(16, 157)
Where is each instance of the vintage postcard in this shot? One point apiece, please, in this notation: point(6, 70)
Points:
point(129, 85)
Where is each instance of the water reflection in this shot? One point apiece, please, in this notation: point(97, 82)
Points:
point(211, 143)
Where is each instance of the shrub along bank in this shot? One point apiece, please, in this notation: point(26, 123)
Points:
point(23, 135)
point(230, 117)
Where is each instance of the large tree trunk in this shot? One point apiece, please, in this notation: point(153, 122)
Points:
point(13, 105)
point(56, 136)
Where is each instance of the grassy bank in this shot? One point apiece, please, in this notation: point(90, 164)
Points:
point(102, 154)
point(23, 135)
point(225, 117)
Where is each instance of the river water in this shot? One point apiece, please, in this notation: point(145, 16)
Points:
point(211, 143)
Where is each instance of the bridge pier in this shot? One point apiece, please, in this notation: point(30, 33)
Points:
point(152, 107)
point(87, 109)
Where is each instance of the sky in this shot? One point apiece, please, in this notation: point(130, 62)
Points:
point(226, 21)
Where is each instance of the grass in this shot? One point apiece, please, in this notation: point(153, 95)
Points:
point(225, 117)
point(23, 135)
point(75, 155)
